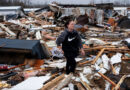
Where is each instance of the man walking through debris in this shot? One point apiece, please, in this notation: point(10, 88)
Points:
point(71, 43)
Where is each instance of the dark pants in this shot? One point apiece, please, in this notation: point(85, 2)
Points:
point(71, 62)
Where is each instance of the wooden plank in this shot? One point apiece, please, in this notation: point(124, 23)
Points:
point(119, 83)
point(52, 83)
point(7, 30)
point(84, 62)
point(112, 88)
point(113, 69)
point(80, 87)
point(106, 78)
point(64, 82)
point(99, 54)
point(86, 85)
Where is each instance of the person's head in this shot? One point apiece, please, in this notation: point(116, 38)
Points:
point(70, 25)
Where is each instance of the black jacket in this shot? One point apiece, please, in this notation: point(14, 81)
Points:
point(71, 41)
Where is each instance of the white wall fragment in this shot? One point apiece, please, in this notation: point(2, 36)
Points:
point(105, 60)
point(97, 67)
point(107, 86)
point(32, 83)
point(116, 58)
point(78, 59)
point(66, 88)
point(117, 69)
point(77, 79)
point(99, 61)
point(84, 78)
point(71, 86)
point(38, 35)
point(102, 70)
point(59, 65)
point(87, 70)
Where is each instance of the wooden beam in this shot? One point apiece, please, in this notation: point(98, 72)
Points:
point(7, 30)
point(113, 69)
point(64, 82)
point(99, 54)
point(52, 83)
point(80, 87)
point(84, 62)
point(86, 85)
point(119, 83)
point(106, 78)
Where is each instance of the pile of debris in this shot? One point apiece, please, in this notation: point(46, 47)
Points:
point(30, 59)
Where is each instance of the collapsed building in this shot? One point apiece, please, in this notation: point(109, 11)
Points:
point(30, 59)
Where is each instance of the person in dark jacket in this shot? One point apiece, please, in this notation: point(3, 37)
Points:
point(71, 44)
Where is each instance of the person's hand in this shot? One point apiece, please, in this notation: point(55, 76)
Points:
point(82, 51)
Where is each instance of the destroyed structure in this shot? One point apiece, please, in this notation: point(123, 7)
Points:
point(30, 59)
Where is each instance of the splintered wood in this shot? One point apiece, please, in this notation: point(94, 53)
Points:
point(52, 83)
point(64, 82)
point(99, 54)
point(119, 83)
point(106, 78)
point(86, 85)
point(7, 30)
point(80, 87)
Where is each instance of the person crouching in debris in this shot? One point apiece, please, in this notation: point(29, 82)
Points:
point(71, 44)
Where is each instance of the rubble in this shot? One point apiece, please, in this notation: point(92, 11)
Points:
point(30, 59)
